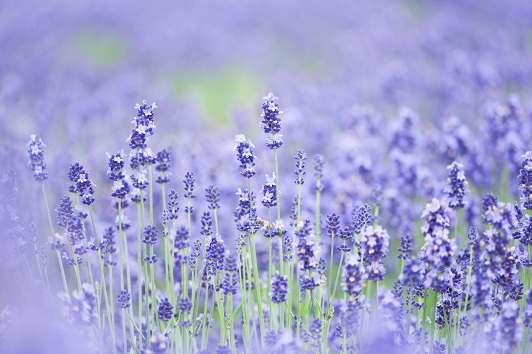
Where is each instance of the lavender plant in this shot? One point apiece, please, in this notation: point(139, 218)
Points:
point(193, 287)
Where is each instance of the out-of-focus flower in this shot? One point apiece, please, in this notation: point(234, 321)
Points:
point(36, 158)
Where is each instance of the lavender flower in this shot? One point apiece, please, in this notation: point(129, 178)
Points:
point(361, 218)
point(140, 179)
point(279, 288)
point(64, 211)
point(287, 246)
point(374, 244)
point(144, 125)
point(505, 330)
point(214, 260)
point(116, 167)
point(271, 123)
point(269, 192)
point(318, 172)
point(164, 162)
point(525, 181)
point(230, 283)
point(120, 190)
point(472, 236)
point(185, 305)
point(526, 231)
point(439, 250)
point(82, 305)
point(300, 157)
point(81, 183)
point(206, 224)
point(464, 325)
point(457, 188)
point(500, 259)
point(172, 207)
point(413, 273)
point(164, 312)
point(353, 276)
point(195, 254)
point(333, 225)
point(244, 155)
point(108, 246)
point(223, 349)
point(407, 242)
point(181, 245)
point(346, 235)
point(189, 182)
point(527, 315)
point(42, 256)
point(213, 197)
point(150, 235)
point(315, 332)
point(124, 299)
point(36, 159)
point(377, 195)
point(488, 201)
point(308, 250)
point(245, 214)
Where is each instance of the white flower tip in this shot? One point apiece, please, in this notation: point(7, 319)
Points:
point(240, 138)
point(270, 96)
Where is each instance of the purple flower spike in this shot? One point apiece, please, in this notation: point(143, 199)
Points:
point(36, 159)
point(271, 123)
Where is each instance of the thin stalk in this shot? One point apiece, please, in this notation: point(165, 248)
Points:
point(62, 269)
point(338, 275)
point(150, 169)
point(329, 271)
point(214, 212)
point(63, 277)
point(121, 247)
point(257, 288)
point(139, 265)
point(123, 238)
point(318, 214)
point(277, 183)
point(204, 323)
point(48, 209)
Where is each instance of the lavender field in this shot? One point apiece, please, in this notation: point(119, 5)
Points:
point(280, 177)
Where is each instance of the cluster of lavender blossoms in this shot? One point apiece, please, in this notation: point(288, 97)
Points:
point(351, 273)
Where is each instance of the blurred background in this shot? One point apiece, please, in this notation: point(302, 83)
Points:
point(68, 63)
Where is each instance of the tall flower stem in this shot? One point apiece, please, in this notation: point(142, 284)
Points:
point(60, 261)
point(318, 214)
point(258, 294)
point(108, 304)
point(140, 225)
point(152, 265)
point(255, 269)
point(122, 243)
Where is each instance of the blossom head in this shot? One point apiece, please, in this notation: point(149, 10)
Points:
point(36, 159)
point(271, 123)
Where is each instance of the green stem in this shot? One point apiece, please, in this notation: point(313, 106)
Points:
point(139, 266)
point(123, 239)
point(63, 277)
point(318, 212)
point(277, 184)
point(257, 288)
